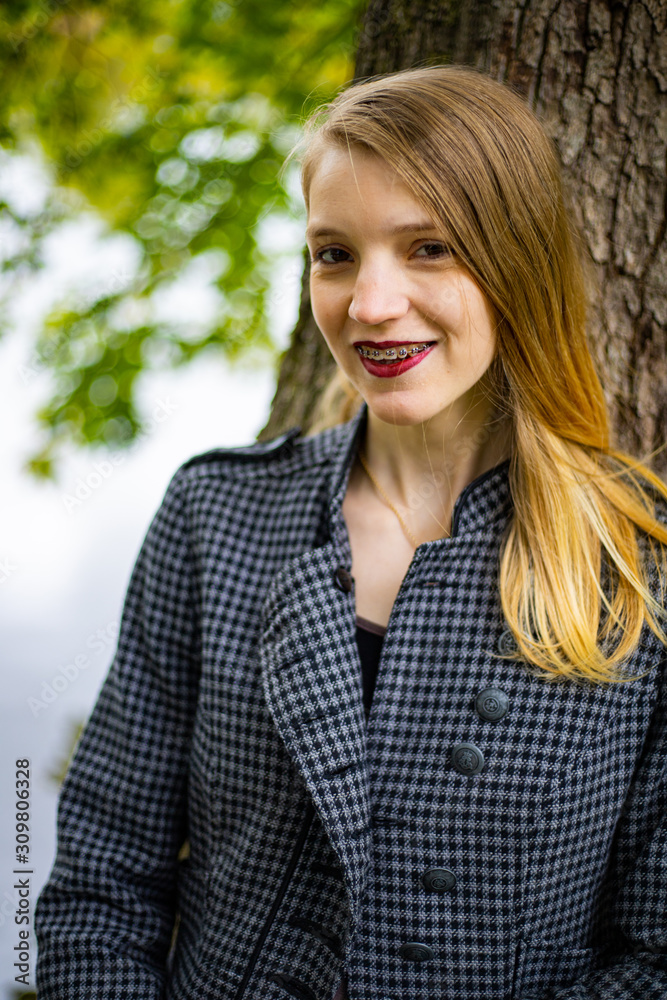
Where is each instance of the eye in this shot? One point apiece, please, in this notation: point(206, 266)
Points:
point(434, 250)
point(319, 255)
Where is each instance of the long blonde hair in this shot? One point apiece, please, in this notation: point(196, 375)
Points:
point(477, 158)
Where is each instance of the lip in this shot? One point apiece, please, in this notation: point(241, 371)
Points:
point(387, 343)
point(392, 371)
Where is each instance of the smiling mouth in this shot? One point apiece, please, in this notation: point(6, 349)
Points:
point(392, 355)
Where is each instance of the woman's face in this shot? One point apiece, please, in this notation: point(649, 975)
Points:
point(381, 277)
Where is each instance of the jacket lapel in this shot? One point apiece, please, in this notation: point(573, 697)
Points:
point(312, 677)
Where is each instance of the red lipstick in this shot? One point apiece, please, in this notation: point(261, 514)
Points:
point(394, 368)
point(385, 343)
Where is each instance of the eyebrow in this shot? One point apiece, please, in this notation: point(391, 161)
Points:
point(406, 227)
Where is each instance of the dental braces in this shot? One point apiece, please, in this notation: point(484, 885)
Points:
point(391, 353)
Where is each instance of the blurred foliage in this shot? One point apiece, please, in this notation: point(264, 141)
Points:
point(170, 119)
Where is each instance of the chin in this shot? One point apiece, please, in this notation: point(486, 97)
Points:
point(398, 409)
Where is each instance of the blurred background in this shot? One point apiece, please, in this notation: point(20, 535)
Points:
point(154, 289)
point(152, 260)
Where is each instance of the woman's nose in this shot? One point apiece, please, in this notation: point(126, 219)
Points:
point(377, 296)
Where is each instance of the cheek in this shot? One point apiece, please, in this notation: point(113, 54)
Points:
point(441, 305)
point(481, 336)
point(327, 307)
point(479, 352)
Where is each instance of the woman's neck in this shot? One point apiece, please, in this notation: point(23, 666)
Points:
point(424, 467)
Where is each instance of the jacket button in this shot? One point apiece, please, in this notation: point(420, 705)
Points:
point(467, 758)
point(507, 643)
point(327, 937)
point(492, 704)
point(344, 579)
point(415, 952)
point(438, 880)
point(293, 986)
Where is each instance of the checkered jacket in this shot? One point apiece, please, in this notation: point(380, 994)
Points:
point(486, 835)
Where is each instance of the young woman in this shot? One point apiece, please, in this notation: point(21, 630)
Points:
point(398, 682)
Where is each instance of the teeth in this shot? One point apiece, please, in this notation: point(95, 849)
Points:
point(392, 353)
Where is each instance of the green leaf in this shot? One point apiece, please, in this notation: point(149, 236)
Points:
point(171, 122)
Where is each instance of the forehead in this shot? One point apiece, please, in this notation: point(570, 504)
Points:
point(334, 166)
point(356, 186)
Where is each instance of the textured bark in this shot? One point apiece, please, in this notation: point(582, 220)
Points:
point(596, 74)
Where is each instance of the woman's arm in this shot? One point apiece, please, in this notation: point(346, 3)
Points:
point(105, 917)
point(639, 908)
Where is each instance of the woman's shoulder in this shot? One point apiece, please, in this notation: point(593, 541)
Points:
point(286, 455)
point(257, 453)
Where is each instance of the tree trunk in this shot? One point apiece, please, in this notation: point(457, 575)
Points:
point(596, 74)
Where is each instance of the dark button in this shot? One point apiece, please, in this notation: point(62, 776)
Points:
point(323, 934)
point(492, 704)
point(332, 871)
point(507, 643)
point(415, 952)
point(293, 986)
point(438, 880)
point(467, 758)
point(382, 819)
point(344, 579)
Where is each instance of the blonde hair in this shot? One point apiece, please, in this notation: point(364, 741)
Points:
point(475, 156)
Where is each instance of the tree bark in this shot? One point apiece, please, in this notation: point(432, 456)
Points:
point(596, 74)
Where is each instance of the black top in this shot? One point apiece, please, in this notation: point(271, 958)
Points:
point(369, 641)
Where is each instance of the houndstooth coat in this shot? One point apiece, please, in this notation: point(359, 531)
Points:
point(487, 834)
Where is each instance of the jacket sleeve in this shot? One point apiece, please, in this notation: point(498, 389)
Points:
point(640, 869)
point(104, 918)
